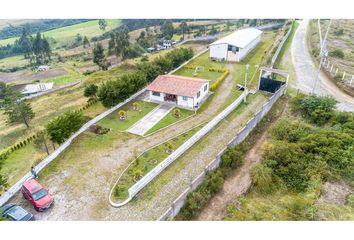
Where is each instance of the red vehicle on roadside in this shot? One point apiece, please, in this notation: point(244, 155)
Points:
point(40, 197)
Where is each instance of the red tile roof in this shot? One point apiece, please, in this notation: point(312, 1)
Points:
point(177, 85)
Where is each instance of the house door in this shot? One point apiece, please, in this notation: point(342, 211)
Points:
point(170, 98)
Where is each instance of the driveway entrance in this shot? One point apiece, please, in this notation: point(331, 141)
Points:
point(150, 120)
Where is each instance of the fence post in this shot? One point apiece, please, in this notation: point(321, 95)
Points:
point(327, 64)
point(343, 76)
point(335, 74)
point(351, 80)
point(331, 68)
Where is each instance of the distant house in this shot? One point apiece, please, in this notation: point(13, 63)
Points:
point(28, 89)
point(151, 49)
point(43, 68)
point(183, 91)
point(235, 46)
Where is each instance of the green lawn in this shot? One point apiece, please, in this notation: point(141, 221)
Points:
point(65, 79)
point(66, 34)
point(205, 62)
point(170, 119)
point(146, 162)
point(15, 61)
point(113, 121)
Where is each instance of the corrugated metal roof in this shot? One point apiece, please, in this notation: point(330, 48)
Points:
point(240, 38)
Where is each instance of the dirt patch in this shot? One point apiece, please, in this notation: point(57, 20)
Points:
point(335, 193)
point(25, 76)
point(234, 186)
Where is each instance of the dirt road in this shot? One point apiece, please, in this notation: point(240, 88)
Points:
point(306, 72)
point(234, 186)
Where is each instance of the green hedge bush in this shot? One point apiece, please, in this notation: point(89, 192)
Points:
point(219, 80)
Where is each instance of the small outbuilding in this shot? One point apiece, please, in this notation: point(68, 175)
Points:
point(235, 46)
point(187, 92)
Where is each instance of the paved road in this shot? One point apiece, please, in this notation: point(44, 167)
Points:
point(150, 120)
point(306, 72)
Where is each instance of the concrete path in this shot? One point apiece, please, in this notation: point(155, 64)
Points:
point(150, 120)
point(306, 72)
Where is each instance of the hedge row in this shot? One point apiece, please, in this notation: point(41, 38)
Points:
point(4, 155)
point(219, 80)
point(88, 104)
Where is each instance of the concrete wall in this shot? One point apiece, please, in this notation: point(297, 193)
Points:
point(189, 103)
point(177, 204)
point(218, 52)
point(156, 98)
point(244, 51)
point(202, 94)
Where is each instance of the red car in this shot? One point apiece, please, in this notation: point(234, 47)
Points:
point(40, 197)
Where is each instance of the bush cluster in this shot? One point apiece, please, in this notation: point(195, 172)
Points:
point(16, 146)
point(116, 91)
point(219, 80)
point(213, 182)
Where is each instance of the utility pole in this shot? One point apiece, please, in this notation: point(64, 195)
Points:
point(323, 52)
point(245, 87)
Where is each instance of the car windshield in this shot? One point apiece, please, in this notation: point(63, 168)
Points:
point(40, 194)
point(17, 213)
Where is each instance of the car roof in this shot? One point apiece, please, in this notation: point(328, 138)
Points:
point(32, 186)
point(17, 212)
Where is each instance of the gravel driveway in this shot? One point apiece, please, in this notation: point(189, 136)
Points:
point(306, 72)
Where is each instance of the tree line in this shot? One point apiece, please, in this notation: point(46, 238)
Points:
point(115, 91)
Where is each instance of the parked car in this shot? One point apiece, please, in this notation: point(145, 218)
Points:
point(39, 196)
point(13, 212)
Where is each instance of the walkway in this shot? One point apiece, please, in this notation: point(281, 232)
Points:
point(150, 120)
point(306, 72)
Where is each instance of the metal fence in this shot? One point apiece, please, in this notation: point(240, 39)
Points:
point(336, 72)
point(177, 204)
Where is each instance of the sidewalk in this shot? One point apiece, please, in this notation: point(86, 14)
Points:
point(150, 120)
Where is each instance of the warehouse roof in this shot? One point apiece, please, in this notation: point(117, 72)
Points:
point(177, 85)
point(240, 38)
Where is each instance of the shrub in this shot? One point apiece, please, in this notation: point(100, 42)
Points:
point(337, 53)
point(262, 178)
point(211, 69)
point(219, 80)
point(122, 115)
point(317, 109)
point(177, 113)
point(232, 158)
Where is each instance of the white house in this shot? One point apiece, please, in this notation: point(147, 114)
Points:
point(187, 92)
point(36, 88)
point(235, 46)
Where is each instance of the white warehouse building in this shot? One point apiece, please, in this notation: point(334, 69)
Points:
point(235, 46)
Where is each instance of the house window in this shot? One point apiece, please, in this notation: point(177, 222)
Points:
point(157, 94)
point(184, 98)
point(198, 94)
point(205, 87)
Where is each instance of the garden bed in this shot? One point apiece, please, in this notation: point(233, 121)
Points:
point(114, 122)
point(204, 62)
point(147, 161)
point(170, 119)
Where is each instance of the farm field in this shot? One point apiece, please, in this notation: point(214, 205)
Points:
point(66, 34)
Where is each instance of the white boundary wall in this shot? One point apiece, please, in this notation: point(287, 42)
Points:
point(15, 188)
point(178, 203)
point(184, 147)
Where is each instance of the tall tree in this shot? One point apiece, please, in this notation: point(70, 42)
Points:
point(122, 41)
point(111, 44)
point(167, 29)
point(41, 142)
point(98, 56)
point(102, 24)
point(60, 128)
point(25, 42)
point(16, 109)
point(86, 42)
point(184, 27)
